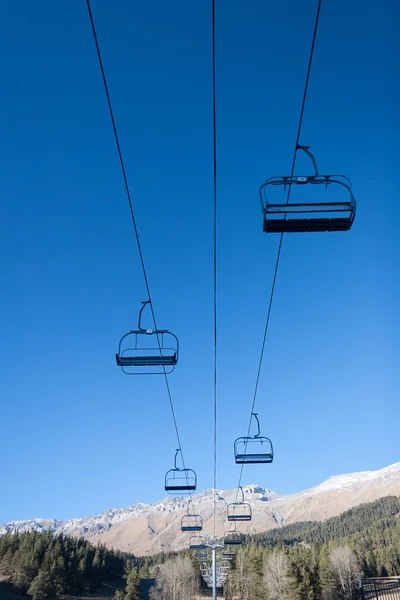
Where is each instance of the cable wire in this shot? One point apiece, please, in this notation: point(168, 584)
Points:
point(135, 227)
point(281, 236)
point(214, 98)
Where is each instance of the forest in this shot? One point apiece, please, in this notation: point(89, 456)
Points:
point(303, 561)
point(308, 559)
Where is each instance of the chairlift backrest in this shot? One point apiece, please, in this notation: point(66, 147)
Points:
point(308, 216)
point(147, 351)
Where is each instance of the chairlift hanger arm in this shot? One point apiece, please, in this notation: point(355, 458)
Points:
point(144, 303)
point(306, 149)
point(176, 454)
point(255, 415)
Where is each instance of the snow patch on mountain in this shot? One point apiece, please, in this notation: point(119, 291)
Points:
point(338, 482)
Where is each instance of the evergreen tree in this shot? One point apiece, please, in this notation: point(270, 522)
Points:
point(132, 585)
point(40, 586)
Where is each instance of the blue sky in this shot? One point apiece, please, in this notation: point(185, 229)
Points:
point(77, 436)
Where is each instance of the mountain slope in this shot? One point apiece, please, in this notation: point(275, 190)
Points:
point(151, 528)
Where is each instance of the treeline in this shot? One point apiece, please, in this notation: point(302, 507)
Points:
point(43, 564)
point(357, 520)
point(308, 559)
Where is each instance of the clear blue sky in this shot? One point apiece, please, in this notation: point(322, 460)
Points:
point(78, 436)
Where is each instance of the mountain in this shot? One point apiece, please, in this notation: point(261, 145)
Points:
point(151, 528)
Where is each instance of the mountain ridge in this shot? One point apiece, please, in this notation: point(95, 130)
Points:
point(149, 528)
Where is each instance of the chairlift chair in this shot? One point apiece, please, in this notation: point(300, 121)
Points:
point(200, 556)
point(254, 448)
point(233, 538)
point(239, 511)
point(225, 563)
point(196, 542)
point(191, 523)
point(147, 351)
point(178, 480)
point(308, 216)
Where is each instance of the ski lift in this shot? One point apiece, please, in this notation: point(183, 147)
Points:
point(147, 351)
point(228, 555)
point(308, 216)
point(233, 538)
point(225, 563)
point(239, 511)
point(191, 523)
point(253, 449)
point(180, 479)
point(201, 556)
point(196, 542)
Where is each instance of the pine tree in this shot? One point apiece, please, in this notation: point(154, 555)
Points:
point(40, 586)
point(132, 585)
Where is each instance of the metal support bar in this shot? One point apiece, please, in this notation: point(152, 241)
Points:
point(214, 572)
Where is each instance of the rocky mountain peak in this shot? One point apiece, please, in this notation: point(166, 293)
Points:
point(149, 528)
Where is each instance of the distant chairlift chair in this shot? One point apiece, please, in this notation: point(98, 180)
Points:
point(147, 351)
point(239, 511)
point(197, 542)
point(232, 538)
point(253, 449)
point(178, 480)
point(308, 216)
point(191, 522)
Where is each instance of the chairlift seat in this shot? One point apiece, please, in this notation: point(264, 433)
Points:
point(180, 488)
point(146, 361)
point(296, 225)
point(191, 528)
point(239, 517)
point(243, 459)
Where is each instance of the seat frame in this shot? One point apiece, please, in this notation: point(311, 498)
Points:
point(188, 475)
point(283, 221)
point(251, 458)
point(165, 355)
